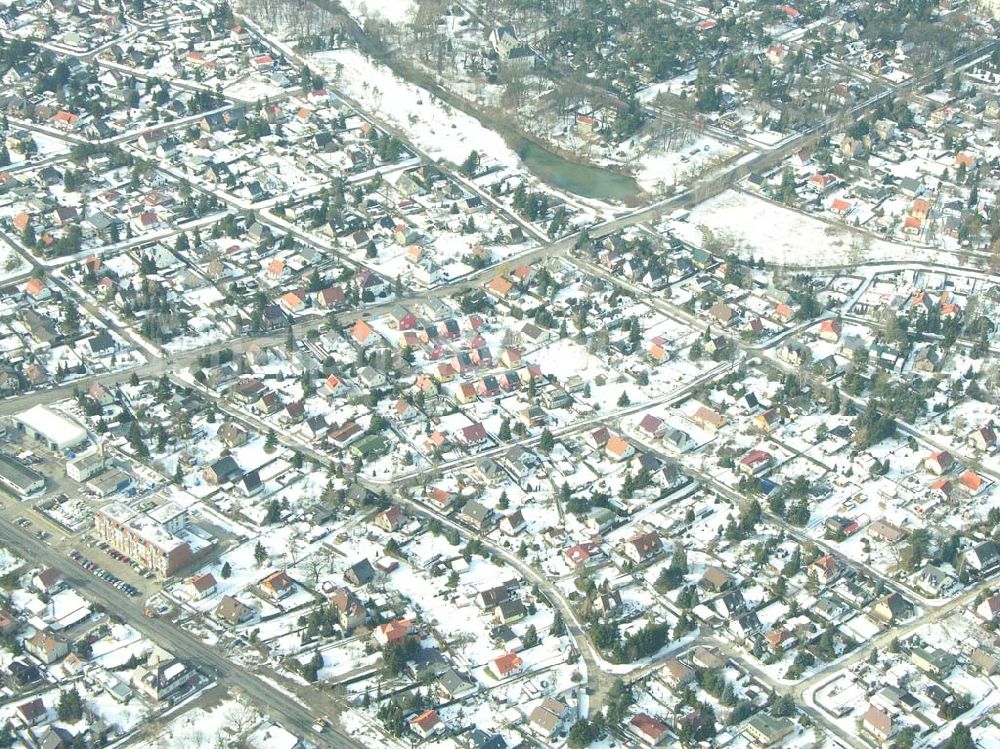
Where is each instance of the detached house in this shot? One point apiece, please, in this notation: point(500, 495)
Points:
point(676, 675)
point(46, 647)
point(971, 482)
point(363, 333)
point(722, 313)
point(546, 719)
point(232, 612)
point(427, 724)
point(65, 120)
point(829, 330)
point(472, 435)
point(619, 449)
point(477, 515)
point(821, 183)
point(756, 462)
point(47, 580)
point(825, 569)
point(201, 586)
point(37, 290)
point(277, 585)
point(390, 520)
point(767, 420)
point(879, 724)
point(392, 632)
point(892, 608)
point(708, 419)
point(989, 609)
point(330, 297)
point(765, 730)
point(513, 523)
point(643, 547)
point(503, 39)
point(982, 558)
point(652, 426)
point(984, 438)
point(293, 302)
point(840, 206)
point(32, 712)
point(506, 665)
point(939, 462)
point(500, 288)
point(350, 610)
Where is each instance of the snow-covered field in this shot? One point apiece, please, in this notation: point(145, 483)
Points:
point(435, 127)
point(252, 88)
point(393, 11)
point(758, 228)
point(431, 125)
point(47, 145)
point(11, 263)
point(657, 170)
point(204, 726)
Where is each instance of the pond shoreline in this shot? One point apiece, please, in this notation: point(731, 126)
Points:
point(575, 175)
point(530, 149)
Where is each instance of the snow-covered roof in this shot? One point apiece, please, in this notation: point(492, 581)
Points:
point(55, 428)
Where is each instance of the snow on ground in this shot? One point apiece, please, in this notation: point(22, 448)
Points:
point(393, 11)
point(252, 88)
point(11, 262)
point(8, 562)
point(364, 729)
point(342, 658)
point(203, 727)
point(120, 645)
point(781, 235)
point(124, 718)
point(435, 127)
point(47, 145)
point(660, 169)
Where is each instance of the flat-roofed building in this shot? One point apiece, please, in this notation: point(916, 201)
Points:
point(142, 537)
point(171, 516)
point(18, 477)
point(86, 466)
point(54, 429)
point(110, 482)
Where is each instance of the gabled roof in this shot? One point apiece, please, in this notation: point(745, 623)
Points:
point(426, 720)
point(878, 720)
point(201, 583)
point(361, 331)
point(507, 663)
point(617, 445)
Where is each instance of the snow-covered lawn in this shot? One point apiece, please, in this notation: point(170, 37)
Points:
point(758, 228)
point(11, 262)
point(393, 11)
point(660, 168)
point(202, 727)
point(435, 127)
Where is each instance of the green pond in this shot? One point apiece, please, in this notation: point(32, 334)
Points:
point(579, 179)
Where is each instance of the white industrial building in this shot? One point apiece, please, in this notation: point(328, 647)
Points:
point(55, 430)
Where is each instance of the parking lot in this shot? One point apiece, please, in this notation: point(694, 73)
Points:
point(98, 571)
point(62, 515)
